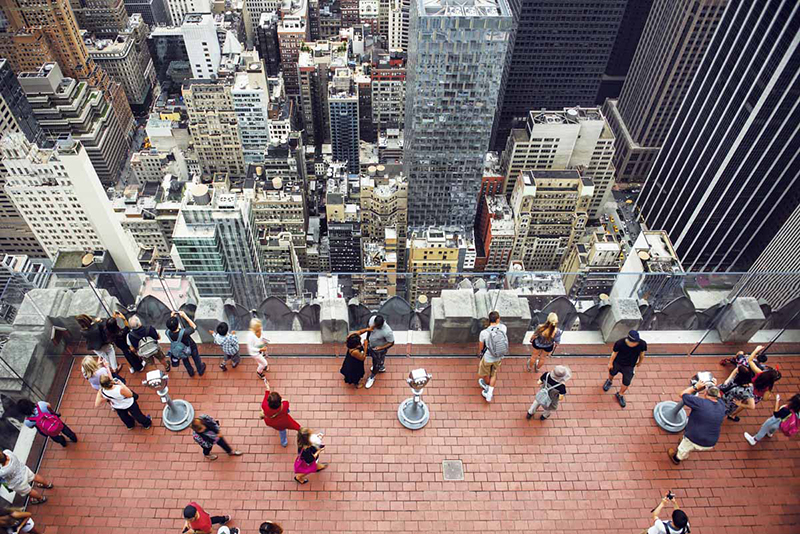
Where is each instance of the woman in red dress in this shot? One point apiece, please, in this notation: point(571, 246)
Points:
point(275, 413)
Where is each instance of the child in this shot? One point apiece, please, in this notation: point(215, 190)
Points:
point(229, 343)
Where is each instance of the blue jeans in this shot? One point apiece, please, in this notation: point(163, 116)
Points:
point(770, 425)
point(282, 433)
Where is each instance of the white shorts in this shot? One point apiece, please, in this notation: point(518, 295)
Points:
point(26, 489)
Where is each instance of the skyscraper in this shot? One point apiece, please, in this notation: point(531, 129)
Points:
point(104, 18)
point(726, 177)
point(456, 58)
point(628, 35)
point(676, 36)
point(557, 57)
point(343, 113)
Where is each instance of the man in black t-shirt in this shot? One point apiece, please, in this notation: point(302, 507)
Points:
point(628, 354)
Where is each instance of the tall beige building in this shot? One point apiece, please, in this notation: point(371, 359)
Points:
point(560, 140)
point(384, 205)
point(550, 215)
point(214, 126)
point(673, 43)
point(591, 265)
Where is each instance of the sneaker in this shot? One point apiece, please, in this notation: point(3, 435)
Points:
point(672, 456)
point(750, 439)
point(620, 399)
point(226, 520)
point(770, 434)
point(370, 381)
point(486, 395)
point(131, 370)
point(382, 370)
point(528, 416)
point(482, 383)
point(544, 416)
point(607, 385)
point(150, 422)
point(223, 367)
point(202, 370)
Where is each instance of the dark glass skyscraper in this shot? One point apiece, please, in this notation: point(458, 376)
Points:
point(727, 176)
point(557, 57)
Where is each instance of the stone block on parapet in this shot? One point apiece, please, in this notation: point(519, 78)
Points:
point(620, 316)
point(514, 311)
point(25, 355)
point(209, 313)
point(741, 320)
point(334, 320)
point(453, 316)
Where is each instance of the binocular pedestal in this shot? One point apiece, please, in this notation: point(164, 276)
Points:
point(178, 414)
point(413, 413)
point(670, 416)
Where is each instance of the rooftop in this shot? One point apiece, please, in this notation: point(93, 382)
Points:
point(463, 8)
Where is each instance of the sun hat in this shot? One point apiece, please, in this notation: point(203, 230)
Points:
point(561, 373)
point(552, 317)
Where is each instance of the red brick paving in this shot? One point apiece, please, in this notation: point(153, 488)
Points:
point(592, 467)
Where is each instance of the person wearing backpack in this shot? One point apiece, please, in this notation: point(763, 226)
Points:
point(48, 423)
point(181, 344)
point(678, 525)
point(143, 341)
point(786, 418)
point(492, 347)
point(552, 391)
point(119, 336)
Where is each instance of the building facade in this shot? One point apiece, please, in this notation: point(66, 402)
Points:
point(267, 43)
point(104, 18)
point(344, 123)
point(68, 107)
point(450, 105)
point(560, 67)
point(153, 12)
point(723, 188)
point(293, 31)
point(558, 140)
point(550, 215)
point(673, 44)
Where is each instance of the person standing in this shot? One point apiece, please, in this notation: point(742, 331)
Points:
point(20, 479)
point(123, 400)
point(181, 344)
point(143, 341)
point(98, 339)
point(199, 522)
point(257, 346)
point(93, 368)
point(353, 365)
point(380, 338)
point(206, 434)
point(628, 354)
point(737, 392)
point(119, 336)
point(229, 343)
point(705, 421)
point(492, 347)
point(309, 447)
point(552, 391)
point(679, 523)
point(48, 423)
point(275, 413)
point(788, 412)
point(545, 339)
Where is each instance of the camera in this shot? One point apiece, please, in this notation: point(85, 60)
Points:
point(670, 495)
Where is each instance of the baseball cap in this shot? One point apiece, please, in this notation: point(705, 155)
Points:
point(633, 335)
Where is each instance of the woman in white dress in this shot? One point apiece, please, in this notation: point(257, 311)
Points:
point(257, 346)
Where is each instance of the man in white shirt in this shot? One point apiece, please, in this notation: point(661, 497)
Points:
point(492, 346)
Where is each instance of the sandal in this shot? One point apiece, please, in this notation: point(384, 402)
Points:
point(305, 481)
point(48, 486)
point(734, 418)
point(211, 457)
point(38, 501)
point(536, 365)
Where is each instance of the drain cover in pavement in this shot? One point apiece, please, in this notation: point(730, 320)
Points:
point(453, 470)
